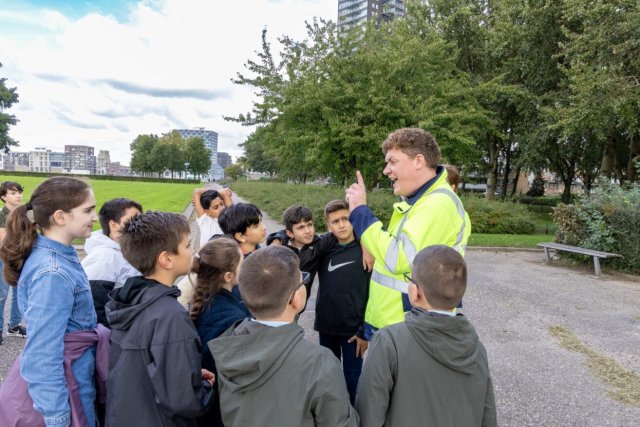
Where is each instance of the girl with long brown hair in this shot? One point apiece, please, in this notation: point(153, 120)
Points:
point(54, 295)
point(216, 304)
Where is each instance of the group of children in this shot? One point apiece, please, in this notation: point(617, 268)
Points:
point(236, 356)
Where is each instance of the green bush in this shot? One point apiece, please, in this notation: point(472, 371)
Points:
point(495, 217)
point(487, 216)
point(607, 221)
point(542, 201)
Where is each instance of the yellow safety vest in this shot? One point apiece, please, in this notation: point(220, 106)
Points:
point(436, 218)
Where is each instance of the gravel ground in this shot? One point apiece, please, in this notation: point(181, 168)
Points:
point(513, 297)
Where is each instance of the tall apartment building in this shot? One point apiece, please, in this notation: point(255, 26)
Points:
point(355, 12)
point(39, 160)
point(79, 159)
point(210, 139)
point(224, 160)
point(103, 162)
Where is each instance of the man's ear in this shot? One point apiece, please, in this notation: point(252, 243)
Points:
point(289, 233)
point(240, 237)
point(420, 161)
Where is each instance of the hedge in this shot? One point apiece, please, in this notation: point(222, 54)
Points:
point(101, 177)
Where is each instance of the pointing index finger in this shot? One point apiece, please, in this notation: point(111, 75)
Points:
point(359, 178)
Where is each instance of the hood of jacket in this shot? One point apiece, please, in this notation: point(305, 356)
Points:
point(98, 240)
point(128, 301)
point(451, 340)
point(249, 353)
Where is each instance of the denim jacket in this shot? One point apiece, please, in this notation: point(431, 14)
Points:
point(55, 298)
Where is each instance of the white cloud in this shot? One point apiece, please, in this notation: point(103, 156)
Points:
point(100, 81)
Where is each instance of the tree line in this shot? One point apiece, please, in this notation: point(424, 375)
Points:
point(170, 153)
point(504, 85)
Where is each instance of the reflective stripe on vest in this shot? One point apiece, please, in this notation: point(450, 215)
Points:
point(410, 252)
point(390, 282)
point(456, 200)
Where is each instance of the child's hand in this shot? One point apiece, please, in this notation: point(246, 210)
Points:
point(208, 376)
point(367, 259)
point(226, 195)
point(361, 345)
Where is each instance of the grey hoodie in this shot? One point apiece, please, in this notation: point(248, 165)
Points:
point(273, 377)
point(430, 370)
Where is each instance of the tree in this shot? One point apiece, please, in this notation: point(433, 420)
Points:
point(603, 72)
point(334, 101)
point(198, 156)
point(8, 97)
point(234, 171)
point(173, 152)
point(141, 149)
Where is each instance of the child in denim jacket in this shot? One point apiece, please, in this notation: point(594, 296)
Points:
point(53, 293)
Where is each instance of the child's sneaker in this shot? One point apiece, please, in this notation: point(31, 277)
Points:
point(17, 331)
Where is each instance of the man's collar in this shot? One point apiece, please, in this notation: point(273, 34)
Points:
point(420, 191)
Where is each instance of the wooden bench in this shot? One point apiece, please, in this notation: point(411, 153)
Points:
point(591, 252)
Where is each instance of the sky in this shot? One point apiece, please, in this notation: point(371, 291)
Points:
point(101, 72)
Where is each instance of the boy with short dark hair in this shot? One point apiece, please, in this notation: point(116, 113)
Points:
point(299, 235)
point(431, 369)
point(243, 222)
point(11, 196)
point(342, 296)
point(209, 205)
point(153, 339)
point(104, 264)
point(268, 374)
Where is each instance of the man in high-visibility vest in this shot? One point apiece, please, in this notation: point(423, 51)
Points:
point(429, 213)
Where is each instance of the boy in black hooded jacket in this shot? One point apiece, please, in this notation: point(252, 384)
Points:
point(155, 377)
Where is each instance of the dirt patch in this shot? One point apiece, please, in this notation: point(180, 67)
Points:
point(624, 384)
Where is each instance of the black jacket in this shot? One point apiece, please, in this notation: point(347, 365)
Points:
point(343, 291)
point(154, 371)
point(217, 316)
point(310, 255)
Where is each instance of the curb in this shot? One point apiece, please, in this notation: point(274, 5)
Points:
point(502, 249)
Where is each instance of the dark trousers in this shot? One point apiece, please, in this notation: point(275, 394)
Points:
point(351, 365)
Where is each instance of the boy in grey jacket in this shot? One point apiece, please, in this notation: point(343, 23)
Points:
point(432, 369)
point(268, 374)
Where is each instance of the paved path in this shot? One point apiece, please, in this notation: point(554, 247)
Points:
point(512, 299)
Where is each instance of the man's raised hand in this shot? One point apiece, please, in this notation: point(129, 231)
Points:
point(356, 195)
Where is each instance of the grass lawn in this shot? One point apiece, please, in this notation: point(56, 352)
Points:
point(509, 240)
point(168, 197)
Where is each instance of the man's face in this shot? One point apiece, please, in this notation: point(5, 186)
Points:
point(215, 208)
point(402, 170)
point(13, 198)
point(302, 232)
point(338, 224)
